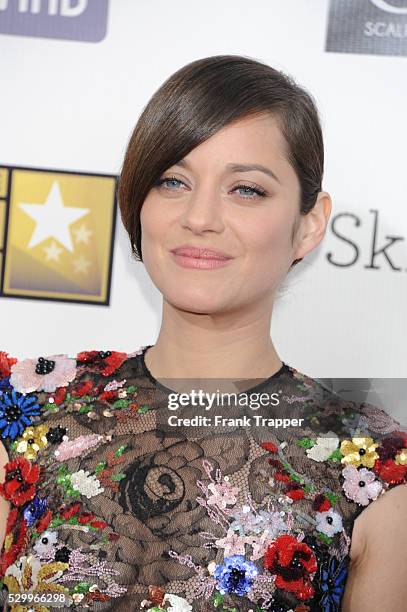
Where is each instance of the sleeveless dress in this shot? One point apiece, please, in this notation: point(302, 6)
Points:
point(112, 508)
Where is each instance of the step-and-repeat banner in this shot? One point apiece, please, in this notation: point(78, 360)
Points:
point(75, 75)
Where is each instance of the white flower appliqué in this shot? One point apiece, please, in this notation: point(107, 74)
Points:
point(324, 447)
point(177, 604)
point(329, 522)
point(87, 484)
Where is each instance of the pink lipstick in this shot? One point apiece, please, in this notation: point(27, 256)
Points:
point(201, 258)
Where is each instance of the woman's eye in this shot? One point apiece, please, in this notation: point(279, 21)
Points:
point(248, 192)
point(172, 181)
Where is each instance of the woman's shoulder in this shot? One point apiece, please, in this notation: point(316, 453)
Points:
point(61, 418)
point(339, 410)
point(359, 445)
point(35, 389)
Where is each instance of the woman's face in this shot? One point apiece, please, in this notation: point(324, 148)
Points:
point(205, 202)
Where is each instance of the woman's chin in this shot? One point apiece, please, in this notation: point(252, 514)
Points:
point(197, 303)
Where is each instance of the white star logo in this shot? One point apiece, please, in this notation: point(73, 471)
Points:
point(52, 252)
point(53, 218)
point(82, 234)
point(81, 265)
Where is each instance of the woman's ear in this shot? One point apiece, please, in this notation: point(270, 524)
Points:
point(312, 226)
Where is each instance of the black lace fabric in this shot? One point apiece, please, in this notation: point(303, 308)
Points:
point(128, 513)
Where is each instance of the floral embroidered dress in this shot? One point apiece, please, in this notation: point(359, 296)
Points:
point(111, 510)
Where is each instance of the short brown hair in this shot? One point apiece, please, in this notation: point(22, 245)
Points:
point(200, 99)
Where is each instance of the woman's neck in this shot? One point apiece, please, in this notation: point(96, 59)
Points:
point(193, 345)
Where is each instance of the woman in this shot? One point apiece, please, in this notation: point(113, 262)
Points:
point(109, 505)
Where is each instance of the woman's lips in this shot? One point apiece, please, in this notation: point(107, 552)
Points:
point(200, 263)
point(199, 258)
point(201, 252)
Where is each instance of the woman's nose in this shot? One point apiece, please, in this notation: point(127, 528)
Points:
point(203, 211)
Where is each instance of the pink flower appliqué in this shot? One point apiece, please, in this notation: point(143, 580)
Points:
point(360, 485)
point(233, 543)
point(260, 544)
point(43, 373)
point(222, 494)
point(74, 448)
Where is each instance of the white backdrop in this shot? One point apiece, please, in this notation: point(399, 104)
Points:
point(71, 105)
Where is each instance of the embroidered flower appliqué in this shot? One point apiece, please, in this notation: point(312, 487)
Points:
point(29, 574)
point(32, 441)
point(359, 451)
point(360, 485)
point(176, 603)
point(235, 575)
point(324, 447)
point(16, 412)
point(293, 562)
point(222, 494)
point(21, 478)
point(43, 373)
point(87, 484)
point(329, 522)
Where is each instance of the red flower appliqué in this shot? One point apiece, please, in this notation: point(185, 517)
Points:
point(292, 562)
point(321, 503)
point(104, 362)
point(295, 491)
point(270, 446)
point(385, 466)
point(390, 472)
point(19, 484)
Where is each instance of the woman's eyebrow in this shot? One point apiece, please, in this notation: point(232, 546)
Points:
point(248, 167)
point(239, 168)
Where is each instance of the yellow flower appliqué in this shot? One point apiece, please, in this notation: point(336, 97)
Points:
point(401, 457)
point(29, 575)
point(359, 451)
point(33, 440)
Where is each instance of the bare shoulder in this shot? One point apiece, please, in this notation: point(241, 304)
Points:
point(379, 555)
point(4, 458)
point(387, 514)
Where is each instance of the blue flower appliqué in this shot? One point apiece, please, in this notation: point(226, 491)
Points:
point(333, 574)
point(35, 510)
point(15, 411)
point(235, 575)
